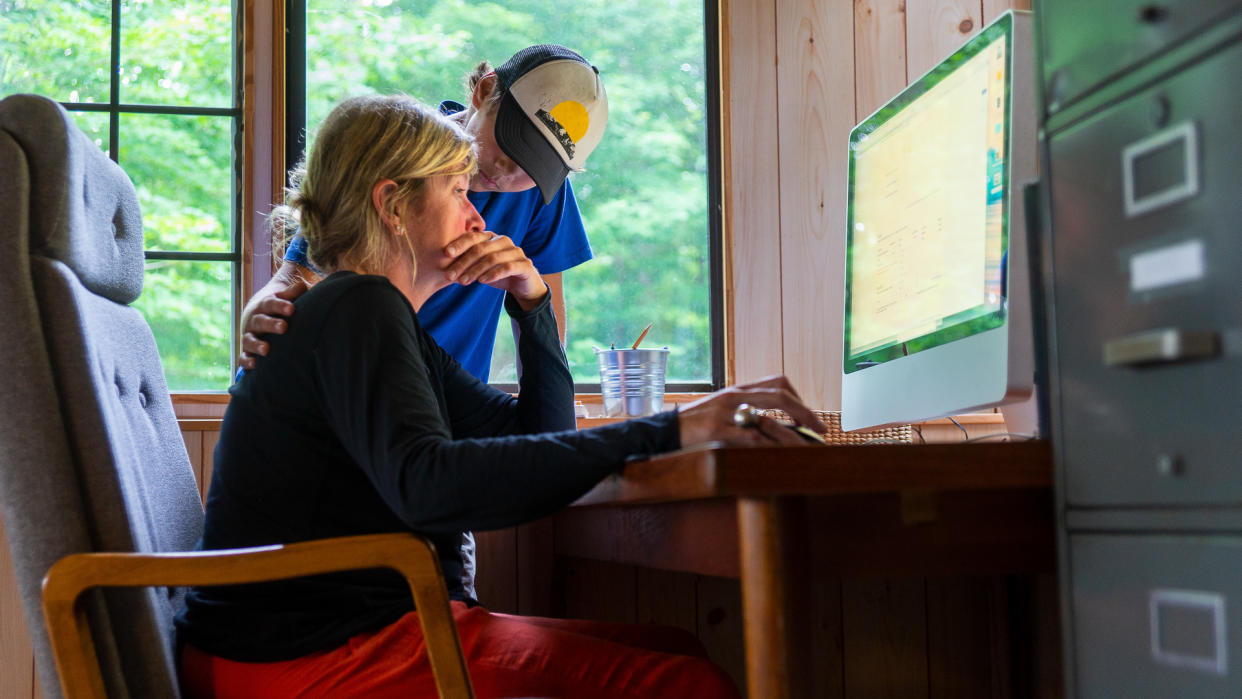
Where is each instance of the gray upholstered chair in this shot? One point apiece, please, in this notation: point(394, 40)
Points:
point(91, 459)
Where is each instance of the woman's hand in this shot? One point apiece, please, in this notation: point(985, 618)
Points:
point(711, 418)
point(266, 311)
point(494, 260)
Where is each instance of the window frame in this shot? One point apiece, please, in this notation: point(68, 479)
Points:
point(294, 137)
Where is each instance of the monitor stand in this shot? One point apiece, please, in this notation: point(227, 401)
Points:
point(1022, 418)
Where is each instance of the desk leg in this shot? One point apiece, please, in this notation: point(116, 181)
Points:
point(777, 644)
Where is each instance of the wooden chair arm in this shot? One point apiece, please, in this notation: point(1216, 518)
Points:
point(411, 555)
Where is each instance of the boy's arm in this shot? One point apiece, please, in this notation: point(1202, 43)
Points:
point(556, 295)
point(558, 302)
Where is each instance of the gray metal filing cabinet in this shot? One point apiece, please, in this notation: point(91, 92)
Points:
point(1140, 274)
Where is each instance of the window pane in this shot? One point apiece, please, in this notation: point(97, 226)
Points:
point(644, 198)
point(504, 356)
point(189, 308)
point(182, 169)
point(177, 53)
point(55, 48)
point(652, 267)
point(95, 124)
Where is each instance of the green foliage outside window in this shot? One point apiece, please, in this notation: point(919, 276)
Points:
point(644, 195)
point(644, 198)
point(176, 54)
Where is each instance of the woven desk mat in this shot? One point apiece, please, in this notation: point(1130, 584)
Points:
point(832, 418)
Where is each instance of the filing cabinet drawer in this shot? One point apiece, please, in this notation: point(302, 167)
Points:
point(1157, 616)
point(1146, 273)
point(1123, 33)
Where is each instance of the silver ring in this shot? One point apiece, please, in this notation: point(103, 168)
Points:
point(746, 416)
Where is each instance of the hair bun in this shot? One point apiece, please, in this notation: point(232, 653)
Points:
point(308, 214)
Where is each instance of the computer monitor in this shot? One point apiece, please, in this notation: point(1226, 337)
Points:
point(937, 301)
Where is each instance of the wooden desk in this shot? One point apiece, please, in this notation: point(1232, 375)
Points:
point(780, 517)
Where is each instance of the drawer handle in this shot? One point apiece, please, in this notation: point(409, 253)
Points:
point(1163, 346)
point(1151, 14)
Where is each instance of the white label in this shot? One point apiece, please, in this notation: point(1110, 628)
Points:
point(1175, 264)
point(1200, 648)
point(1136, 203)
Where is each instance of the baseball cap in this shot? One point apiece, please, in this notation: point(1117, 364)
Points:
point(553, 113)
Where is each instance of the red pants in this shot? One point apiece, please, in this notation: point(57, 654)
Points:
point(508, 656)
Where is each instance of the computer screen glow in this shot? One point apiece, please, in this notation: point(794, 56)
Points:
point(927, 233)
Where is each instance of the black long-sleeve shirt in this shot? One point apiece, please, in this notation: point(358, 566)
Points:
point(359, 423)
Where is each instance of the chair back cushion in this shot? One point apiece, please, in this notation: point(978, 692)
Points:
point(91, 458)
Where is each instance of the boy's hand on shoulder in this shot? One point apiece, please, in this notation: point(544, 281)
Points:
point(267, 311)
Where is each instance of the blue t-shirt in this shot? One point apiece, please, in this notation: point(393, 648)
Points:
point(463, 319)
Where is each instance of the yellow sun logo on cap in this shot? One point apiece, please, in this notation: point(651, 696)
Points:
point(572, 117)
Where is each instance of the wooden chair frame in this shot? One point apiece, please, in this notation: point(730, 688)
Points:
point(412, 556)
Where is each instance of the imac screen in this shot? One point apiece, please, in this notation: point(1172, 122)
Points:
point(928, 209)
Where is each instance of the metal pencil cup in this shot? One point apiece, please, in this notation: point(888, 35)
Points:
point(632, 381)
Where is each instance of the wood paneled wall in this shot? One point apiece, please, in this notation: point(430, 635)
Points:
point(17, 678)
point(798, 75)
point(200, 432)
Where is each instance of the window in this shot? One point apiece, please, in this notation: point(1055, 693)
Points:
point(154, 83)
point(649, 198)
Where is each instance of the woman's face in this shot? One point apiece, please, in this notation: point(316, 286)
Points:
point(442, 215)
point(497, 173)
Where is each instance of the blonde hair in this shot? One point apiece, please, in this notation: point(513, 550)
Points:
point(363, 141)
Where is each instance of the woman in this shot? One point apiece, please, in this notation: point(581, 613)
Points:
point(516, 154)
point(513, 157)
point(360, 423)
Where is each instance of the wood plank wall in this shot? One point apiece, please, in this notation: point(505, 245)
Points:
point(16, 657)
point(797, 76)
point(200, 430)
